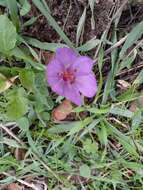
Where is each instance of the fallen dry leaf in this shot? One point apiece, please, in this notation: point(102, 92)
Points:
point(62, 111)
point(19, 154)
point(47, 56)
point(134, 105)
point(123, 85)
point(14, 186)
point(6, 83)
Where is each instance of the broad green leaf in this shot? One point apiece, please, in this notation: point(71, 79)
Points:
point(85, 171)
point(27, 79)
point(133, 36)
point(17, 104)
point(80, 26)
point(8, 34)
point(25, 8)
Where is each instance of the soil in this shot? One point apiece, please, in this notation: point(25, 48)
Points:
point(102, 13)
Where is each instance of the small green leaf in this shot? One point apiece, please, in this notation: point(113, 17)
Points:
point(90, 147)
point(27, 79)
point(102, 134)
point(8, 34)
point(85, 171)
point(17, 104)
point(23, 123)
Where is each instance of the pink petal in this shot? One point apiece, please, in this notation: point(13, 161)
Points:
point(58, 86)
point(66, 56)
point(83, 65)
point(52, 80)
point(72, 94)
point(87, 85)
point(53, 68)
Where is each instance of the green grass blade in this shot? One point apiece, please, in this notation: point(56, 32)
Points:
point(13, 10)
point(89, 45)
point(45, 4)
point(107, 88)
point(43, 45)
point(3, 3)
point(80, 26)
point(92, 5)
point(133, 36)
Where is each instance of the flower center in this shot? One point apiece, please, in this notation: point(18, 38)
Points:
point(68, 76)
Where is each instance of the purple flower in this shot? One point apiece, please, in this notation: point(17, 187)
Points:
point(70, 75)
